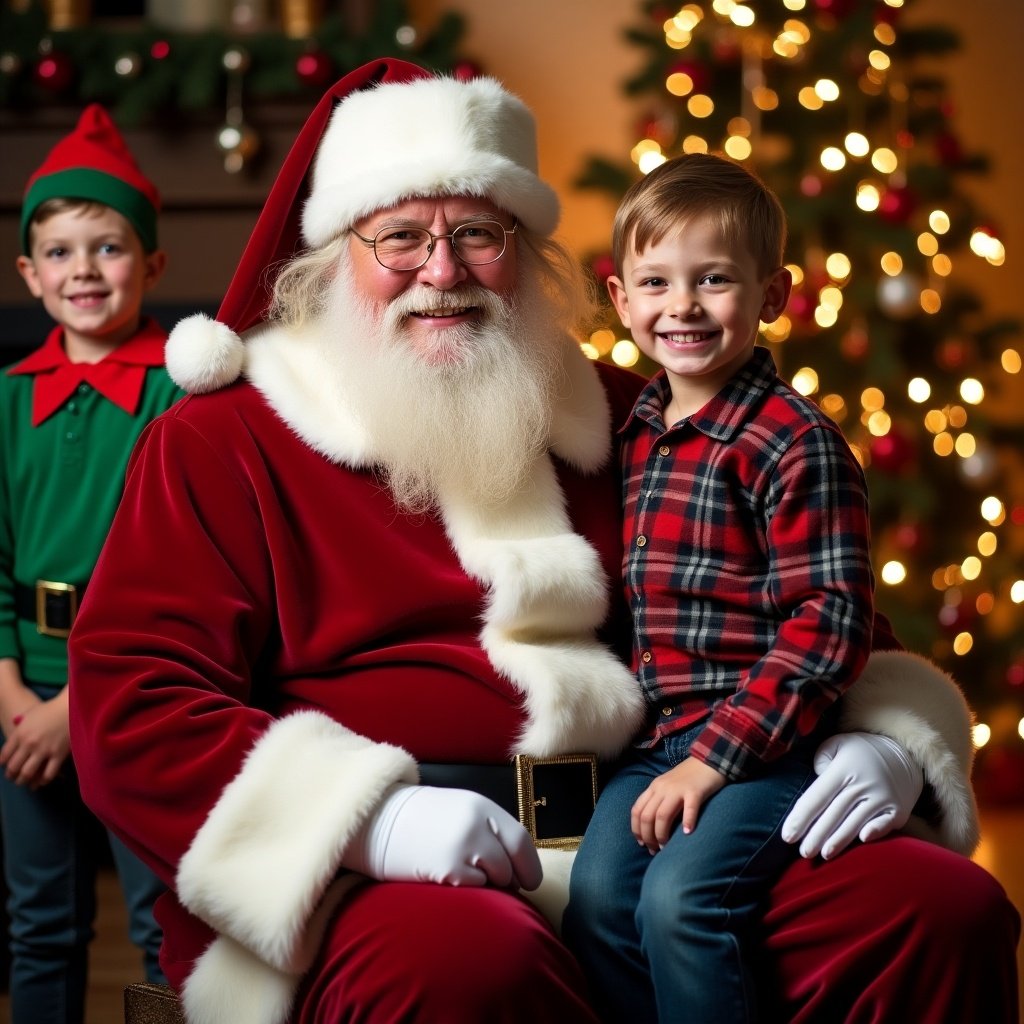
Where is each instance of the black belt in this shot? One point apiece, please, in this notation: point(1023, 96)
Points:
point(51, 606)
point(553, 797)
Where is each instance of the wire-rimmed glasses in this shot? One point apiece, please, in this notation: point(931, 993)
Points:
point(475, 243)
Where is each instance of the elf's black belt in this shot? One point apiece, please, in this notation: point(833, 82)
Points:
point(553, 797)
point(51, 606)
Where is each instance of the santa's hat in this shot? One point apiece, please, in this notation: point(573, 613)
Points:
point(93, 163)
point(386, 132)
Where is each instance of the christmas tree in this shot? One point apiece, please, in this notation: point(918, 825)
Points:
point(835, 104)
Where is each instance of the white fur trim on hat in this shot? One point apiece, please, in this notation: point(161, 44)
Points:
point(430, 137)
point(203, 355)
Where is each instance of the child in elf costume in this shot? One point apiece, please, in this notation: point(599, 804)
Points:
point(70, 414)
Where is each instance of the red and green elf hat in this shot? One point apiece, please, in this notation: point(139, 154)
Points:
point(94, 163)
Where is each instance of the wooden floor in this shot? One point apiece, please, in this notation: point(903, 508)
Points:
point(115, 962)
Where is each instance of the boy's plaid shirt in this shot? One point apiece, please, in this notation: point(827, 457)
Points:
point(746, 566)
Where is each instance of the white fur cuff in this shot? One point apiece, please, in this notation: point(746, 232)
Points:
point(907, 698)
point(261, 864)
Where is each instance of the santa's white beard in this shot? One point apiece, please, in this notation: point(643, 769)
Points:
point(466, 420)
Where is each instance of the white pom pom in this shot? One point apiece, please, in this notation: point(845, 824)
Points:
point(203, 355)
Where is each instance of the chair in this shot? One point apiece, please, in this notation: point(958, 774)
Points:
point(146, 1003)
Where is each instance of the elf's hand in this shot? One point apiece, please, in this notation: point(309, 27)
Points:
point(39, 742)
point(445, 836)
point(681, 790)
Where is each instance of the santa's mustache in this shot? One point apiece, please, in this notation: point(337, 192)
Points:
point(423, 300)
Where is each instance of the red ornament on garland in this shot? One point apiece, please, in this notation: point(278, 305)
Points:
point(892, 453)
point(54, 72)
point(314, 68)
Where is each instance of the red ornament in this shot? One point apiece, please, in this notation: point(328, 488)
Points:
point(160, 50)
point(726, 48)
point(54, 72)
point(466, 71)
point(948, 148)
point(892, 453)
point(952, 353)
point(896, 205)
point(837, 8)
point(854, 344)
point(314, 68)
point(810, 185)
point(800, 308)
point(697, 73)
point(909, 537)
point(886, 15)
point(955, 618)
point(603, 267)
point(1015, 674)
point(999, 773)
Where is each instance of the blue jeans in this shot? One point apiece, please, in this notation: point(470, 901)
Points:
point(664, 938)
point(50, 867)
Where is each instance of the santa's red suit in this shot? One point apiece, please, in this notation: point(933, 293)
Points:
point(268, 643)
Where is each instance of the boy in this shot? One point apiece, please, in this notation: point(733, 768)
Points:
point(70, 414)
point(741, 643)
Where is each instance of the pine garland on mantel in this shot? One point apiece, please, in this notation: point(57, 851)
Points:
point(139, 70)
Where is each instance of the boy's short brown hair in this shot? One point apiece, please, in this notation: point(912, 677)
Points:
point(701, 185)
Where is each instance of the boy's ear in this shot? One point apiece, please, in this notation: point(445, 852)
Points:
point(617, 293)
point(27, 269)
point(776, 295)
point(156, 263)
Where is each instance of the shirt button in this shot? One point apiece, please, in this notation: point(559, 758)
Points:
point(666, 711)
point(664, 450)
point(641, 541)
point(72, 408)
point(646, 657)
point(83, 388)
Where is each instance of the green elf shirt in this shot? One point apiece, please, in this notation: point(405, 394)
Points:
point(66, 431)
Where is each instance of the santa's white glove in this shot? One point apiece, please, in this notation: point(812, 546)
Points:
point(867, 786)
point(446, 836)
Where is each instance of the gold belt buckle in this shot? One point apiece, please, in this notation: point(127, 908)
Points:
point(45, 588)
point(584, 766)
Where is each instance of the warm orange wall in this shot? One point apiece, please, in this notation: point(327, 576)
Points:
point(567, 59)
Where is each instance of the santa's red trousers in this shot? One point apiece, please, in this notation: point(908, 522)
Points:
point(895, 931)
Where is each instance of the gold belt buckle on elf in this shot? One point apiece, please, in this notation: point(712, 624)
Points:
point(46, 589)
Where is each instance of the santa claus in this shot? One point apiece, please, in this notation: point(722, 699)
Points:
point(351, 653)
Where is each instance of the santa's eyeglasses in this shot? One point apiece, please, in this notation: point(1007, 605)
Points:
point(475, 243)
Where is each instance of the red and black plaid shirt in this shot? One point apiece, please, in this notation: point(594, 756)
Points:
point(746, 566)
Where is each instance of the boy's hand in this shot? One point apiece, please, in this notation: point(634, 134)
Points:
point(681, 789)
point(38, 744)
